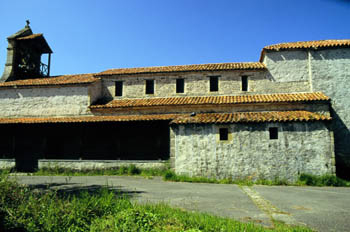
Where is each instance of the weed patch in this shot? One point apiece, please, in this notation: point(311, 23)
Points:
point(103, 210)
point(170, 175)
point(130, 170)
point(326, 180)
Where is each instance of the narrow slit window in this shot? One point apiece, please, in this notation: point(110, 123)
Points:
point(244, 83)
point(214, 84)
point(149, 86)
point(273, 131)
point(118, 88)
point(223, 134)
point(180, 85)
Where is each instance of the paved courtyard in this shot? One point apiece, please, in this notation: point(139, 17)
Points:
point(320, 208)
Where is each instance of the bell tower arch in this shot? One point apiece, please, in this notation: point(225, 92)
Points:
point(24, 53)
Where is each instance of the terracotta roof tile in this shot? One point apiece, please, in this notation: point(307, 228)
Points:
point(120, 118)
point(174, 101)
point(309, 44)
point(239, 117)
point(59, 80)
point(243, 117)
point(187, 68)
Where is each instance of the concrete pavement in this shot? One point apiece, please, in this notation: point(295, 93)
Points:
point(320, 208)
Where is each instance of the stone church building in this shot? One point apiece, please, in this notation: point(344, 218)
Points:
point(279, 117)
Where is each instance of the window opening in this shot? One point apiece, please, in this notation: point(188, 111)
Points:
point(149, 86)
point(180, 84)
point(244, 83)
point(273, 131)
point(118, 88)
point(223, 134)
point(214, 84)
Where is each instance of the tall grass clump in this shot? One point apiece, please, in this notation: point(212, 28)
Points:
point(325, 180)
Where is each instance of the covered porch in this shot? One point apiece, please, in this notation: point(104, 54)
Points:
point(84, 142)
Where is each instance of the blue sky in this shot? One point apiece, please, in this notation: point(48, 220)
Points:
point(94, 35)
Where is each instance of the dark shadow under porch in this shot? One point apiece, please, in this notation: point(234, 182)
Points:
point(84, 141)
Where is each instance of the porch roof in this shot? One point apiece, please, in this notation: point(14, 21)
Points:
point(237, 117)
point(256, 117)
point(216, 100)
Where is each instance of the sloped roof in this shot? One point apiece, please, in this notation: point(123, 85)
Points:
point(238, 117)
point(187, 68)
point(28, 37)
point(309, 44)
point(177, 101)
point(23, 32)
point(38, 40)
point(52, 81)
point(81, 119)
point(315, 44)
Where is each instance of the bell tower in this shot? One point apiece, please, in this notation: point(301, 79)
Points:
point(24, 53)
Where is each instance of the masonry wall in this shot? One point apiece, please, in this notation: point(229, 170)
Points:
point(43, 102)
point(197, 84)
point(328, 71)
point(331, 75)
point(287, 66)
point(249, 152)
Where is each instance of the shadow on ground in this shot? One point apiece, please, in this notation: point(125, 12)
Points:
point(65, 189)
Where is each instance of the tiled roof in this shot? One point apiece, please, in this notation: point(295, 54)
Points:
point(240, 117)
point(309, 44)
point(120, 118)
point(173, 101)
point(33, 36)
point(47, 81)
point(186, 68)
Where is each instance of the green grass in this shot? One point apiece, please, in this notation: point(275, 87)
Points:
point(169, 175)
point(304, 180)
point(172, 176)
point(130, 170)
point(22, 209)
point(325, 180)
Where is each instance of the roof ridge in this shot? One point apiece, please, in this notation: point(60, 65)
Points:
point(317, 43)
point(185, 68)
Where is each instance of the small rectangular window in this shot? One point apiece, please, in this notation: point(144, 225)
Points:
point(223, 134)
point(244, 83)
point(180, 85)
point(273, 131)
point(149, 86)
point(214, 84)
point(118, 88)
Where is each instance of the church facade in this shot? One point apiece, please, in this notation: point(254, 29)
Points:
point(282, 116)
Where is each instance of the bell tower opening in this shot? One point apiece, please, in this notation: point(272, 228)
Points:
point(24, 56)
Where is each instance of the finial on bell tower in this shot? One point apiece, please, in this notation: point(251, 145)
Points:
point(28, 22)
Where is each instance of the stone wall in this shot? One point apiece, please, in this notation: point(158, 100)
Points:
point(249, 152)
point(197, 84)
point(326, 70)
point(331, 75)
point(99, 164)
point(95, 92)
point(7, 163)
point(287, 66)
point(88, 164)
point(43, 102)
